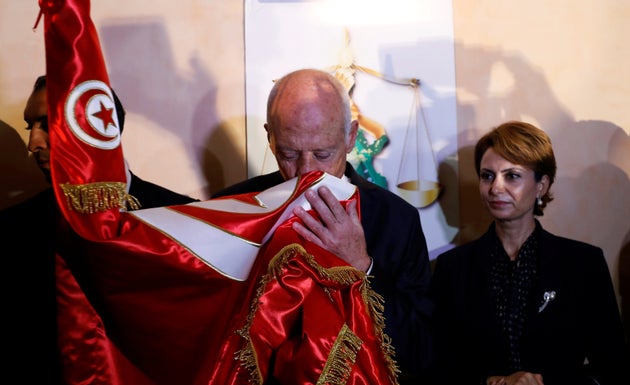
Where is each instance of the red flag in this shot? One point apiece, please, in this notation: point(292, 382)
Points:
point(220, 292)
point(217, 292)
point(87, 165)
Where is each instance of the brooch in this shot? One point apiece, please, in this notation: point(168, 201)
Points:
point(548, 296)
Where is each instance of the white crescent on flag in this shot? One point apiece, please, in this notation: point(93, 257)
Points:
point(100, 113)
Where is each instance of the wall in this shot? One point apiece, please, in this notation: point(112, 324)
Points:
point(562, 66)
point(179, 69)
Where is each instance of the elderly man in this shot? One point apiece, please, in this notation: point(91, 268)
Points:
point(309, 127)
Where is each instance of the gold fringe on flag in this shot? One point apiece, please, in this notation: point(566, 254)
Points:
point(97, 197)
point(341, 358)
point(376, 304)
point(247, 357)
point(347, 345)
point(345, 275)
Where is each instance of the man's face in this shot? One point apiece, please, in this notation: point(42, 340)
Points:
point(299, 151)
point(36, 118)
point(308, 134)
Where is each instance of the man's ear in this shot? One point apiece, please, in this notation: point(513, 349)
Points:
point(352, 136)
point(273, 150)
point(267, 130)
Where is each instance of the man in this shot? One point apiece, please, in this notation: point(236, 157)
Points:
point(29, 228)
point(309, 127)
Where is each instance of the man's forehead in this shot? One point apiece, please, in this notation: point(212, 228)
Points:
point(37, 102)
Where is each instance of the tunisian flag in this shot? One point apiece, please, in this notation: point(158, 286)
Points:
point(82, 120)
point(217, 292)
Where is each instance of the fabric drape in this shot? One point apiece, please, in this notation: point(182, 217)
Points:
point(215, 292)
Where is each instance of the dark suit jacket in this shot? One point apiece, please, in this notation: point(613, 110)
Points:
point(28, 232)
point(401, 270)
point(151, 195)
point(582, 322)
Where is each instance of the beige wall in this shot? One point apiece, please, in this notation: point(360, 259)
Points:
point(179, 69)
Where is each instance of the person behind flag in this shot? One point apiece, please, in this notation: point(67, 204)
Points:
point(35, 114)
point(30, 228)
point(309, 127)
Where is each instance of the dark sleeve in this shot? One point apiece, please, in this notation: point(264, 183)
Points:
point(255, 184)
point(239, 188)
point(457, 354)
point(401, 274)
point(151, 195)
point(607, 351)
point(30, 304)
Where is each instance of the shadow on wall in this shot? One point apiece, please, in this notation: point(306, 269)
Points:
point(142, 68)
point(592, 188)
point(469, 214)
point(624, 285)
point(222, 164)
point(578, 145)
point(20, 176)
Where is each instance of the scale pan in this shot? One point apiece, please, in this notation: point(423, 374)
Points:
point(419, 194)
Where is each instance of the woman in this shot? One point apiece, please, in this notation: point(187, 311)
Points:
point(520, 305)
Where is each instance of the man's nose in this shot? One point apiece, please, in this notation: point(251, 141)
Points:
point(37, 140)
point(306, 163)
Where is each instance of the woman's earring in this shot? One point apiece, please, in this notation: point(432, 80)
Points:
point(539, 201)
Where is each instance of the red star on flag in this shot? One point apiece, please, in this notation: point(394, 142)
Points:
point(106, 116)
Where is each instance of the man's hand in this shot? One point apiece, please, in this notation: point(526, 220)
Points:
point(516, 378)
point(338, 230)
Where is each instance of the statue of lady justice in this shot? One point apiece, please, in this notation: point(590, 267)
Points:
point(366, 149)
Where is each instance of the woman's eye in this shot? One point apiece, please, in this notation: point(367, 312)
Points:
point(486, 176)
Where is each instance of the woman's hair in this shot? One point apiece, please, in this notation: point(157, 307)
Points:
point(524, 144)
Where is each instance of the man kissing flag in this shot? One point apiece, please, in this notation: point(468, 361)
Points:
point(216, 292)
